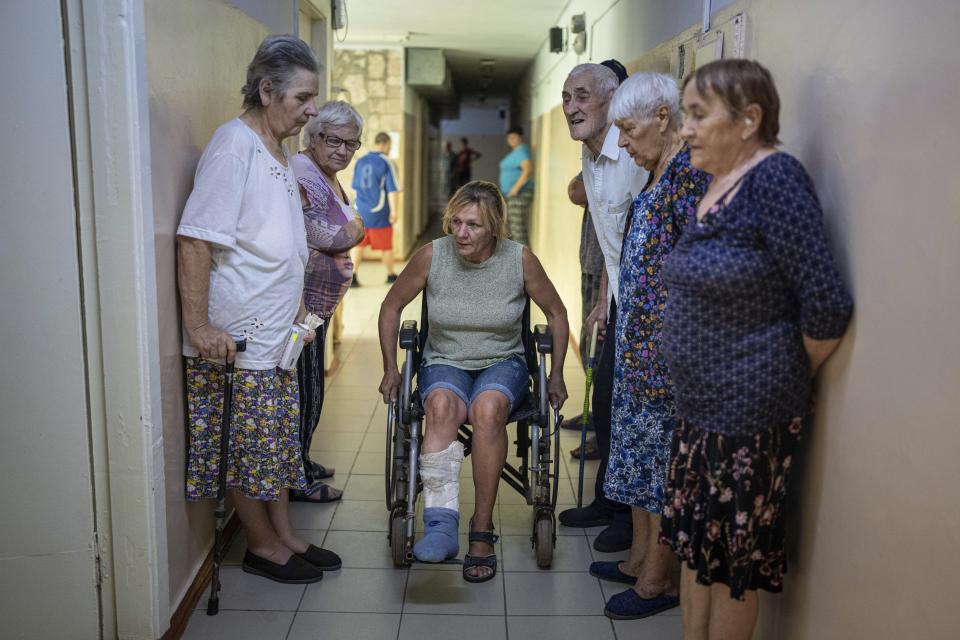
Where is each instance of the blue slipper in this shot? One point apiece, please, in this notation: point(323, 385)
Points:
point(611, 572)
point(440, 540)
point(628, 605)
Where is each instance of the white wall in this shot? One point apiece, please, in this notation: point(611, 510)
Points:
point(870, 93)
point(46, 530)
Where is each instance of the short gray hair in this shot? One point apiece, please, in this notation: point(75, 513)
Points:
point(642, 94)
point(276, 60)
point(605, 81)
point(335, 113)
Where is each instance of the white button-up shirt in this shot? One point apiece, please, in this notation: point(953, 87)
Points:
point(611, 181)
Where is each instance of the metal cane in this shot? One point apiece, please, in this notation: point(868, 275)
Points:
point(585, 417)
point(213, 604)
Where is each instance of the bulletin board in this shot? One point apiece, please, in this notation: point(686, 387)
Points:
point(726, 38)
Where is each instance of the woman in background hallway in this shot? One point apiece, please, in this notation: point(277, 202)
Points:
point(742, 362)
point(646, 110)
point(516, 183)
point(333, 228)
point(241, 256)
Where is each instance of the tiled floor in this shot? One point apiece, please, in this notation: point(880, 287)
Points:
point(371, 600)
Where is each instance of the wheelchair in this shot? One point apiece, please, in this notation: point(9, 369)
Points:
point(537, 444)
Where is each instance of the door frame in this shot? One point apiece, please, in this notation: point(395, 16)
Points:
point(110, 123)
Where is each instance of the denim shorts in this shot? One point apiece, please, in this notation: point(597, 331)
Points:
point(510, 377)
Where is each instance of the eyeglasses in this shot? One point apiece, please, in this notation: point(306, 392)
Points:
point(333, 142)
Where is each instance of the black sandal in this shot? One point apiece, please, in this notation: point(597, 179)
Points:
point(489, 561)
point(317, 493)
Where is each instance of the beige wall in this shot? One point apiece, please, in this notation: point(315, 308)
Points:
point(195, 75)
point(870, 92)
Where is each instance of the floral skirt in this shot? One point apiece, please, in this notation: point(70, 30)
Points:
point(723, 514)
point(640, 435)
point(264, 450)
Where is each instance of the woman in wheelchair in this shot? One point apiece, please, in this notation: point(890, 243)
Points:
point(476, 283)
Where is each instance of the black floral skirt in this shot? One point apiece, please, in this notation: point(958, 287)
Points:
point(725, 497)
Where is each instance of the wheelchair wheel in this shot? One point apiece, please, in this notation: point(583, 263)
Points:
point(543, 539)
point(398, 538)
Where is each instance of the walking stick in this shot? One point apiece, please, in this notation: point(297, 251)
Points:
point(585, 417)
point(213, 604)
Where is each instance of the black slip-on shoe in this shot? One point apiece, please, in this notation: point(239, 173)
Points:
point(391, 278)
point(617, 537)
point(322, 559)
point(592, 515)
point(295, 571)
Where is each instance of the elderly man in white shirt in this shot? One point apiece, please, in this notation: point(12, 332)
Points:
point(611, 179)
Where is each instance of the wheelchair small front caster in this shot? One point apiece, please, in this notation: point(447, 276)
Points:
point(543, 539)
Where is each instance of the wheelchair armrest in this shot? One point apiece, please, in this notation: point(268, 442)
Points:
point(543, 338)
point(409, 337)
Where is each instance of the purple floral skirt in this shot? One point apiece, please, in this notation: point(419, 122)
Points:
point(264, 452)
point(725, 496)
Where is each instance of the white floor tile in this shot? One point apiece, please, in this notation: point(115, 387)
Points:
point(243, 591)
point(311, 625)
point(357, 591)
point(446, 592)
point(552, 593)
point(238, 625)
point(452, 627)
point(360, 515)
point(561, 627)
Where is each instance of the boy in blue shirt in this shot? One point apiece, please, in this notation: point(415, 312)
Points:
point(375, 182)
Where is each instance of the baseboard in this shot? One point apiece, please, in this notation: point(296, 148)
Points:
point(201, 582)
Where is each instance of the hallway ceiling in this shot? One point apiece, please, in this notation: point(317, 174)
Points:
point(508, 31)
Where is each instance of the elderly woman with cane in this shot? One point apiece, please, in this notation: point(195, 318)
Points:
point(756, 307)
point(241, 258)
point(646, 110)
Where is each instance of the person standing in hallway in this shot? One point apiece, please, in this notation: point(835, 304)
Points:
point(591, 268)
point(333, 228)
point(375, 182)
point(241, 235)
point(450, 169)
point(742, 362)
point(646, 109)
point(611, 180)
point(516, 183)
point(465, 158)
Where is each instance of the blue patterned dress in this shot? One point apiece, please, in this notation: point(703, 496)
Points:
point(644, 412)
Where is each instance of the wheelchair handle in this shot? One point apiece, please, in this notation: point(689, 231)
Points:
point(409, 337)
point(543, 338)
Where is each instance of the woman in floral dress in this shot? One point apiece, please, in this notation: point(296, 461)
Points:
point(646, 109)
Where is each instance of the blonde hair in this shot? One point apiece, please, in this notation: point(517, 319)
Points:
point(490, 205)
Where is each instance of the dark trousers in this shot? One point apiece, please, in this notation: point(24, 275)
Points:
point(310, 377)
point(602, 408)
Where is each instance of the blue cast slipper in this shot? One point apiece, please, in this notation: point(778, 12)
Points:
point(440, 540)
point(611, 572)
point(628, 605)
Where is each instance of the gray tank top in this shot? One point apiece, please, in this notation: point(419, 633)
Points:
point(475, 311)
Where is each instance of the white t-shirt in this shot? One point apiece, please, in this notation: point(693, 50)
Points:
point(247, 205)
point(611, 181)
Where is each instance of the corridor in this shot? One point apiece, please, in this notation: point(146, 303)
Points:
point(368, 599)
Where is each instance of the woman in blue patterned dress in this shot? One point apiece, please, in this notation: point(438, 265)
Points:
point(756, 306)
point(646, 109)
